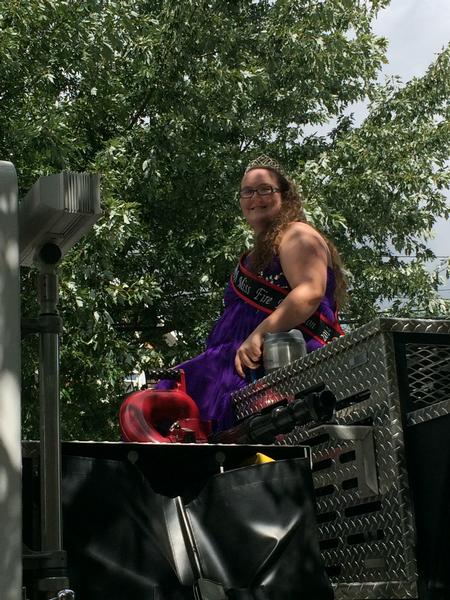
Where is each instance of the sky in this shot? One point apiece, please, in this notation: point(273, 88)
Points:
point(417, 30)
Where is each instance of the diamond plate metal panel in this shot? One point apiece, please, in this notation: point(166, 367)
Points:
point(434, 411)
point(367, 537)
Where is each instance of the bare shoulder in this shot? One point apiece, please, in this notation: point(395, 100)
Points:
point(301, 233)
point(301, 242)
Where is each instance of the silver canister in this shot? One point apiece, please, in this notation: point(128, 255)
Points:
point(282, 348)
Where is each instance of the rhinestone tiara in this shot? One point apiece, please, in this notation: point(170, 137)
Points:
point(265, 162)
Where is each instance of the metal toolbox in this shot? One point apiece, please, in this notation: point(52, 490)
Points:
point(390, 377)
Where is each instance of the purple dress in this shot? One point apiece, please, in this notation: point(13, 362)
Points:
point(211, 377)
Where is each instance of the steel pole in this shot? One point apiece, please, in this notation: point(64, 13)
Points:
point(50, 447)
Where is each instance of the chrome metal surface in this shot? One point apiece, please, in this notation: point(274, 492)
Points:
point(434, 411)
point(366, 532)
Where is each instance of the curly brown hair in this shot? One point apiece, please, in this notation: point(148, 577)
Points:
point(267, 243)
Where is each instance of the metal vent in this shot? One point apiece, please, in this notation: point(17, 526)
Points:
point(428, 369)
point(349, 507)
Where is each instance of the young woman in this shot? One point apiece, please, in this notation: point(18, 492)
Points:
point(292, 278)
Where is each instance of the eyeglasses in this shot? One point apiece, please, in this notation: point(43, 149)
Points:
point(261, 190)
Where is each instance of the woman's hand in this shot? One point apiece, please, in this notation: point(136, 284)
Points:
point(304, 257)
point(249, 353)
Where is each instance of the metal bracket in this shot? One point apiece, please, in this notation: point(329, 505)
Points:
point(42, 324)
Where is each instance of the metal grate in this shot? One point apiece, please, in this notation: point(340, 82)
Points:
point(428, 369)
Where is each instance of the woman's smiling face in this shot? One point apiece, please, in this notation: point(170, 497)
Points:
point(260, 209)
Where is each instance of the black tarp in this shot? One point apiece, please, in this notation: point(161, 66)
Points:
point(253, 531)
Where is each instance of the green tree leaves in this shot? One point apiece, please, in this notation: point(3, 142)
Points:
point(386, 179)
point(169, 100)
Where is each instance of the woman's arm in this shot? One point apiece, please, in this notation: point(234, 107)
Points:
point(304, 257)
